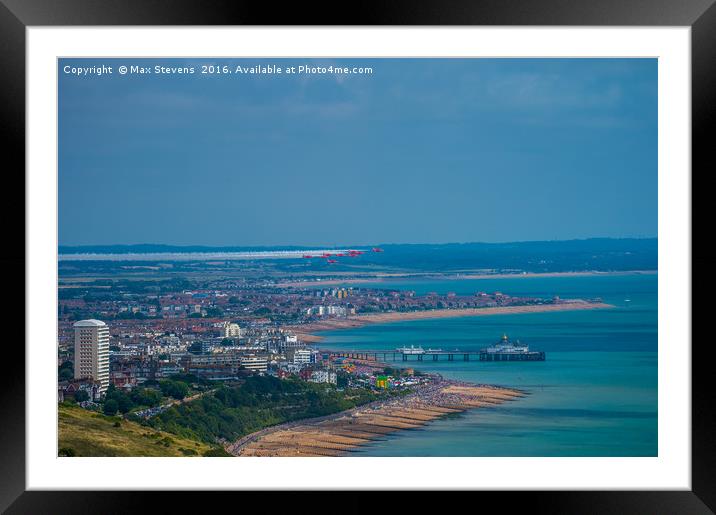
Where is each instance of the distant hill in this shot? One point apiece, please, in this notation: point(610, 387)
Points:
point(600, 244)
point(604, 254)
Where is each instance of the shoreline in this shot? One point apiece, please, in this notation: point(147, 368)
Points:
point(307, 332)
point(396, 277)
point(341, 433)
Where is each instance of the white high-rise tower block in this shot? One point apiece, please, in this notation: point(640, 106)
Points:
point(92, 351)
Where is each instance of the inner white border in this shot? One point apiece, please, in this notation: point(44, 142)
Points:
point(672, 467)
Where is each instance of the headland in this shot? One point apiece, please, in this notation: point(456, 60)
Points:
point(377, 278)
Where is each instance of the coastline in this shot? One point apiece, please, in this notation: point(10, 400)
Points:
point(388, 277)
point(341, 433)
point(307, 332)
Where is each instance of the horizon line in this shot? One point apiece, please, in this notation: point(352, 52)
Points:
point(308, 245)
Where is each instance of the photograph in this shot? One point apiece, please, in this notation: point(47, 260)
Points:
point(357, 257)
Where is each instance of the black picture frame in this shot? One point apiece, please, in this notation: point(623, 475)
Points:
point(16, 15)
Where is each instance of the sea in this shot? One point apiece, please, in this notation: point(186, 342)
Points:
point(595, 395)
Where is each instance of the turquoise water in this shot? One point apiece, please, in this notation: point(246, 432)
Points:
point(596, 395)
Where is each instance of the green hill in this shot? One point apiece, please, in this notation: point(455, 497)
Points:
point(86, 433)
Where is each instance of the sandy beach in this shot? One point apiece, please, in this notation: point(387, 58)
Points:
point(306, 332)
point(341, 433)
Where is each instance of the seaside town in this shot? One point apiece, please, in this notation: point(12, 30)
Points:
point(220, 334)
point(146, 348)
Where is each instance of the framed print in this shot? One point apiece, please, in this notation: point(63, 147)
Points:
point(453, 254)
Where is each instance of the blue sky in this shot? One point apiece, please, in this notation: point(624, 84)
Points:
point(419, 151)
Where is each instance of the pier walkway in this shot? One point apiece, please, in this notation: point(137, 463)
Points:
point(438, 355)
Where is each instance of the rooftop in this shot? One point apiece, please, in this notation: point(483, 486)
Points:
point(89, 323)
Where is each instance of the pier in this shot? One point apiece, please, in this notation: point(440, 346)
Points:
point(462, 355)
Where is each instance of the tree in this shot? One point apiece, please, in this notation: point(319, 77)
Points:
point(187, 378)
point(124, 403)
point(146, 397)
point(110, 407)
point(81, 396)
point(216, 452)
point(175, 389)
point(65, 371)
point(214, 312)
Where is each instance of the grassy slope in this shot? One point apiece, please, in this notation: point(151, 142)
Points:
point(92, 434)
